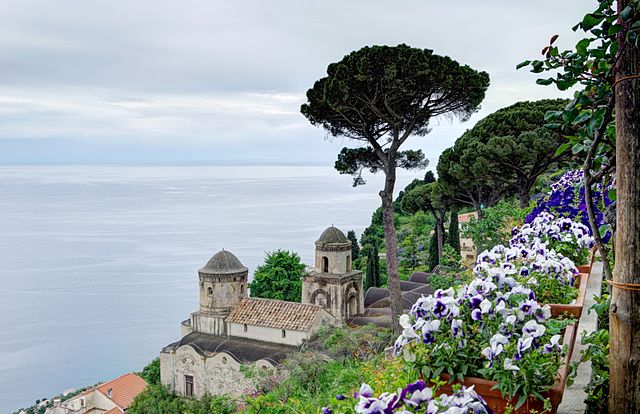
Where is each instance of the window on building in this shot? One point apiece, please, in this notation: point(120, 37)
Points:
point(245, 327)
point(82, 402)
point(188, 385)
point(241, 288)
point(284, 333)
point(348, 263)
point(209, 291)
point(325, 264)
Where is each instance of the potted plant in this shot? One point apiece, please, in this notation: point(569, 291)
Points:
point(500, 341)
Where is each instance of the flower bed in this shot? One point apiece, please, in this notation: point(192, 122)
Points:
point(495, 401)
point(573, 309)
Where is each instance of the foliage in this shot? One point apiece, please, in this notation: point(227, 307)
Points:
point(445, 280)
point(450, 258)
point(494, 227)
point(453, 238)
point(433, 259)
point(512, 147)
point(280, 277)
point(355, 247)
point(157, 399)
point(372, 274)
point(360, 343)
point(151, 372)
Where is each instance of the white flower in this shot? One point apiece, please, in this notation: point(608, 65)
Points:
point(509, 365)
point(485, 306)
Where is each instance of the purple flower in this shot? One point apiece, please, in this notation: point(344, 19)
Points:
point(476, 314)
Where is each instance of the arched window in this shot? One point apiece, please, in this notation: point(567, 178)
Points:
point(209, 291)
point(348, 263)
point(284, 333)
point(245, 327)
point(325, 264)
point(241, 288)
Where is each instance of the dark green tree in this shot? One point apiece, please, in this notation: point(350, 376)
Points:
point(433, 259)
point(372, 275)
point(453, 239)
point(381, 96)
point(430, 199)
point(151, 373)
point(457, 177)
point(355, 247)
point(512, 146)
point(280, 277)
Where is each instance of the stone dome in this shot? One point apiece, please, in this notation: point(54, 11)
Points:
point(223, 262)
point(332, 235)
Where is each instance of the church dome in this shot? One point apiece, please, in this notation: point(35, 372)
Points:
point(223, 262)
point(332, 235)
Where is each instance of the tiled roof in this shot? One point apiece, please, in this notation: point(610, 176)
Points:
point(466, 217)
point(114, 410)
point(123, 389)
point(274, 314)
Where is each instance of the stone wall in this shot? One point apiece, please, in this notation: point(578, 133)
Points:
point(216, 375)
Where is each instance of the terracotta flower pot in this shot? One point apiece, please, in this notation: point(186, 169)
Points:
point(574, 309)
point(498, 403)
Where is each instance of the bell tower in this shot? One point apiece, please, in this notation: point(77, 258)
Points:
point(223, 283)
point(333, 284)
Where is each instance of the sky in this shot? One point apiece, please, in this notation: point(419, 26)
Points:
point(155, 81)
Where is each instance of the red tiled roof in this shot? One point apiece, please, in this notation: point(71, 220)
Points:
point(273, 313)
point(114, 410)
point(466, 217)
point(123, 390)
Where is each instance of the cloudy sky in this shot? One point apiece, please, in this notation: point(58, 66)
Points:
point(85, 81)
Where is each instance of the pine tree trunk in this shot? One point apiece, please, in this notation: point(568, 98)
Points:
point(393, 278)
point(624, 392)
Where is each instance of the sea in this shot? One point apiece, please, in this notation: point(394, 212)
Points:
point(98, 263)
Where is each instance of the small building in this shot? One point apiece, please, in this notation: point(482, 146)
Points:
point(231, 330)
point(467, 248)
point(112, 397)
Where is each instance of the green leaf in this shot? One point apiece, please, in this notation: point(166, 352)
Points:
point(581, 47)
point(521, 401)
point(576, 148)
point(523, 64)
point(562, 148)
point(626, 13)
point(545, 82)
point(584, 115)
point(590, 21)
point(613, 194)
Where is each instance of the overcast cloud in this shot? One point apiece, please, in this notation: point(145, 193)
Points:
point(197, 81)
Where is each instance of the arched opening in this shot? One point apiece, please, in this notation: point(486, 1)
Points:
point(348, 263)
point(241, 288)
point(353, 306)
point(209, 291)
point(284, 333)
point(325, 264)
point(245, 327)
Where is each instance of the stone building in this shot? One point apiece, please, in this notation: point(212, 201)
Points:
point(230, 329)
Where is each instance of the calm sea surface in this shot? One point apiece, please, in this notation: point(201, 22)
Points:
point(98, 264)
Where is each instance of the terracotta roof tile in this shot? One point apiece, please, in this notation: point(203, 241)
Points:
point(466, 217)
point(123, 389)
point(114, 410)
point(272, 313)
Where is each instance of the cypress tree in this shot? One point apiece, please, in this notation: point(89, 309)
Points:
point(433, 259)
point(372, 275)
point(355, 248)
point(454, 236)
